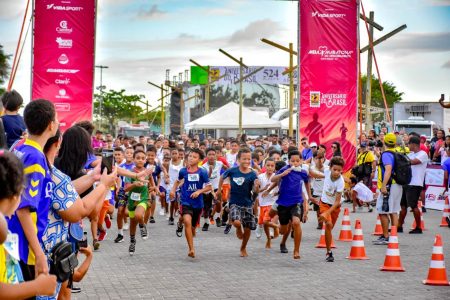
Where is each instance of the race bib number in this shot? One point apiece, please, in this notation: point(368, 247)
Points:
point(135, 196)
point(193, 177)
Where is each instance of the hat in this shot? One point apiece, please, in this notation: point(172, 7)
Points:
point(180, 143)
point(363, 144)
point(313, 144)
point(423, 137)
point(390, 139)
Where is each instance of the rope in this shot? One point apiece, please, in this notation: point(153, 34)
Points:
point(17, 48)
point(13, 76)
point(376, 66)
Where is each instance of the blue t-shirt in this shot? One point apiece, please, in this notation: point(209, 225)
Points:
point(446, 167)
point(307, 154)
point(14, 128)
point(128, 167)
point(387, 158)
point(241, 186)
point(193, 181)
point(290, 191)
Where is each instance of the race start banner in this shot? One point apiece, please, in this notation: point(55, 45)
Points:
point(329, 74)
point(63, 57)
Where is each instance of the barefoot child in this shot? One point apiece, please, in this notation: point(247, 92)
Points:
point(243, 180)
point(330, 203)
point(266, 199)
point(195, 182)
point(292, 209)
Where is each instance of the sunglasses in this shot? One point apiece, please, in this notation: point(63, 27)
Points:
point(314, 147)
point(303, 143)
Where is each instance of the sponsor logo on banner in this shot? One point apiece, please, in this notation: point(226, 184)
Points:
point(64, 43)
point(64, 71)
point(62, 94)
point(327, 54)
point(314, 99)
point(63, 29)
point(62, 106)
point(63, 59)
point(66, 8)
point(64, 81)
point(327, 15)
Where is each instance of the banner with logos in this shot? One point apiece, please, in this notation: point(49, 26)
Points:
point(268, 75)
point(63, 57)
point(328, 56)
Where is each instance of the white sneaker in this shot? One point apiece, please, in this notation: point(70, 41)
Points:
point(161, 212)
point(258, 232)
point(126, 226)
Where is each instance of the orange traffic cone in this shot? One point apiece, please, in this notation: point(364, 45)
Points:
point(437, 274)
point(445, 213)
point(358, 250)
point(346, 230)
point(378, 229)
point(422, 223)
point(322, 243)
point(392, 260)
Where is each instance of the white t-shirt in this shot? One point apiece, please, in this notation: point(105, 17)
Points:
point(231, 159)
point(364, 193)
point(265, 182)
point(331, 188)
point(173, 173)
point(317, 183)
point(418, 171)
point(215, 174)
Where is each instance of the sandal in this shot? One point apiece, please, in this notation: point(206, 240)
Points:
point(179, 231)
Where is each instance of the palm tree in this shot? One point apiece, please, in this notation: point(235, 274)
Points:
point(4, 68)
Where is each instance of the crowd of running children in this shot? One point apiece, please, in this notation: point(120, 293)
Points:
point(52, 181)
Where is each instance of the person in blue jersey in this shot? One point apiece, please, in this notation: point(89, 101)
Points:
point(13, 122)
point(292, 209)
point(243, 181)
point(193, 182)
point(30, 218)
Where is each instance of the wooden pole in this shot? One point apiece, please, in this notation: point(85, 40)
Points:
point(368, 96)
point(163, 130)
point(241, 100)
point(291, 90)
point(181, 112)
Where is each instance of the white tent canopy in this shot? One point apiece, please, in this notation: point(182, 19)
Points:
point(227, 117)
point(285, 122)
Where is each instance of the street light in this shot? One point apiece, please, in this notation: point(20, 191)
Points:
point(101, 88)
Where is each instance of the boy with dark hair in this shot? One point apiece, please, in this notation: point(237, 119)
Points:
point(195, 183)
point(243, 180)
point(12, 122)
point(30, 219)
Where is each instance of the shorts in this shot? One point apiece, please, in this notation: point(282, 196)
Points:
point(177, 197)
point(264, 214)
point(162, 190)
point(208, 201)
point(195, 213)
point(132, 205)
point(333, 216)
point(243, 214)
point(122, 198)
point(412, 195)
point(285, 213)
point(226, 192)
point(395, 197)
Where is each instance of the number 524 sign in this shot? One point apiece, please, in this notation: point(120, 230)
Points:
point(268, 75)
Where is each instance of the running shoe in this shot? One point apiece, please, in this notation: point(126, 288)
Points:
point(258, 232)
point(144, 234)
point(424, 210)
point(96, 245)
point(399, 229)
point(132, 247)
point(171, 221)
point(102, 235)
point(227, 229)
point(416, 231)
point(370, 209)
point(119, 238)
point(162, 212)
point(330, 257)
point(75, 290)
point(126, 226)
point(283, 248)
point(205, 227)
point(179, 231)
point(211, 221)
point(381, 241)
point(152, 220)
point(218, 222)
point(108, 221)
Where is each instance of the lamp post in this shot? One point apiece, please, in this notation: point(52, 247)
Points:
point(100, 88)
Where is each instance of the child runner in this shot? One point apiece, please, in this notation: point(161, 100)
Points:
point(195, 182)
point(266, 200)
point(137, 201)
point(164, 185)
point(330, 203)
point(122, 220)
point(213, 167)
point(243, 180)
point(292, 209)
point(360, 194)
point(151, 163)
point(316, 172)
point(174, 168)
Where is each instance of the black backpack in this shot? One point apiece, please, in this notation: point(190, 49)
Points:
point(401, 172)
point(63, 261)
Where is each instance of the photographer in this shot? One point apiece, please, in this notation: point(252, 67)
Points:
point(366, 165)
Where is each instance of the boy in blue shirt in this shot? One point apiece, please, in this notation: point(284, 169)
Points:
point(242, 180)
point(195, 183)
point(291, 207)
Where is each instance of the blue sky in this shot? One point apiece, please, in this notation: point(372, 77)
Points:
point(140, 39)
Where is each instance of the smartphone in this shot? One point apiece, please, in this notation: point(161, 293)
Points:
point(107, 160)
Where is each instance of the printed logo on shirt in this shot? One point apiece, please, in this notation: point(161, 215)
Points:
point(193, 177)
point(239, 180)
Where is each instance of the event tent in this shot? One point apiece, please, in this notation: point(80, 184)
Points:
point(227, 117)
point(285, 122)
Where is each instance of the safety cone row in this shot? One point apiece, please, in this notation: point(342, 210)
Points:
point(322, 243)
point(346, 230)
point(445, 213)
point(358, 251)
point(422, 223)
point(392, 260)
point(378, 229)
point(437, 274)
